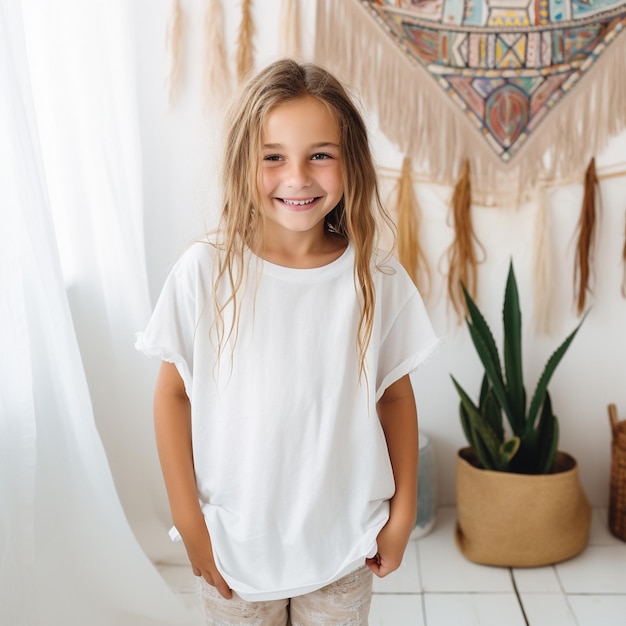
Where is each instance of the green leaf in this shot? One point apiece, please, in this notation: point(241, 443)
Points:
point(484, 388)
point(469, 406)
point(508, 449)
point(512, 319)
point(466, 424)
point(480, 324)
point(493, 414)
point(542, 385)
point(546, 438)
point(492, 369)
point(488, 457)
point(483, 439)
point(485, 345)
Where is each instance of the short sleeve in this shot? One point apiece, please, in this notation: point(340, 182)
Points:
point(408, 337)
point(170, 332)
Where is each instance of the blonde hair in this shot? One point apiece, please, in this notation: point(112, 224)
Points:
point(356, 217)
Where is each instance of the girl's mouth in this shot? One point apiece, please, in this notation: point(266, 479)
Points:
point(298, 205)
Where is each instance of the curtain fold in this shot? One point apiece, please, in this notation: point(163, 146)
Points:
point(67, 554)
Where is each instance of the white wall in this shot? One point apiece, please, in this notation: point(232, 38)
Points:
point(180, 162)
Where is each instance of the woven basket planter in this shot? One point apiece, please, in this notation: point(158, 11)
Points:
point(617, 493)
point(520, 520)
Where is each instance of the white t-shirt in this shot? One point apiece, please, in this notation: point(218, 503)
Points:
point(292, 467)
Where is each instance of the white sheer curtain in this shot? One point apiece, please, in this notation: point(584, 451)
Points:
point(82, 71)
point(67, 553)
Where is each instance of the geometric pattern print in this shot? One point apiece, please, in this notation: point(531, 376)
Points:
point(506, 64)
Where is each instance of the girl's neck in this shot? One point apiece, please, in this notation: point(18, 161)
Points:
point(303, 253)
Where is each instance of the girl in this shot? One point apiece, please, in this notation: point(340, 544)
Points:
point(285, 418)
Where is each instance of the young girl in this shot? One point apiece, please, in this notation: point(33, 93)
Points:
point(285, 418)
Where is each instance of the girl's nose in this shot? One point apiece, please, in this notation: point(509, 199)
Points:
point(298, 175)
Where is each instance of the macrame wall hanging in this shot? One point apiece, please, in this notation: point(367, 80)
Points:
point(524, 90)
point(520, 94)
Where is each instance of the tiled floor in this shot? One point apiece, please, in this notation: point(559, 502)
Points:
point(437, 586)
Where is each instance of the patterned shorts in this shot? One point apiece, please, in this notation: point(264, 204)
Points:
point(346, 602)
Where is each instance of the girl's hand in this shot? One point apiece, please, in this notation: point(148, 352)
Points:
point(200, 553)
point(392, 543)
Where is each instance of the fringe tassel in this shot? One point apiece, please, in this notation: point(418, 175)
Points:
point(174, 47)
point(290, 28)
point(462, 261)
point(245, 45)
point(410, 253)
point(352, 44)
point(624, 263)
point(542, 267)
point(586, 234)
point(216, 74)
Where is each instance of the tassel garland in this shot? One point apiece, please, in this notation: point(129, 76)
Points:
point(410, 253)
point(289, 30)
point(586, 234)
point(542, 267)
point(624, 263)
point(245, 46)
point(174, 47)
point(216, 75)
point(462, 261)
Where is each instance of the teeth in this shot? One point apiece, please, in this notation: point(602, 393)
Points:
point(298, 202)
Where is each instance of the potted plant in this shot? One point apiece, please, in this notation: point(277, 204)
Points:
point(519, 499)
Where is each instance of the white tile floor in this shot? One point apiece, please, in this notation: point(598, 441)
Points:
point(437, 586)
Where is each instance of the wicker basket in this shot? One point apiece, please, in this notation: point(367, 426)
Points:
point(520, 520)
point(617, 497)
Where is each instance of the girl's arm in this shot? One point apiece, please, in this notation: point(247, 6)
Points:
point(398, 416)
point(172, 421)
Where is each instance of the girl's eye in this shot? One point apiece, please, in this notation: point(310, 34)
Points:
point(320, 156)
point(271, 157)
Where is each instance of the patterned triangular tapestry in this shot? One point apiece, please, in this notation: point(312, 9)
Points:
point(526, 90)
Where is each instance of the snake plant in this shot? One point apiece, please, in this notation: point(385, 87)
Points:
point(528, 444)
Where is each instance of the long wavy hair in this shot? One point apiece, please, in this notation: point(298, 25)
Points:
point(358, 216)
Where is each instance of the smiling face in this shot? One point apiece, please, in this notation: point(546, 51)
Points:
point(301, 173)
